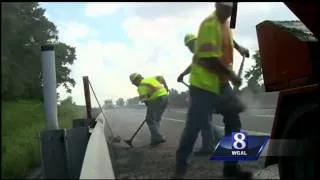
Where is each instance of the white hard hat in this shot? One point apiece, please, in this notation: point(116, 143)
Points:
point(134, 76)
point(229, 4)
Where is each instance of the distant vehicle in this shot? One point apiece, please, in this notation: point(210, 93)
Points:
point(116, 107)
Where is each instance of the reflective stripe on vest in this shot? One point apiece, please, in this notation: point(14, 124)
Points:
point(154, 86)
point(209, 44)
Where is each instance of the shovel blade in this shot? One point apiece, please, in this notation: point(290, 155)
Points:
point(116, 139)
point(129, 142)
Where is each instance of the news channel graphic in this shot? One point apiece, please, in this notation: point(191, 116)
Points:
point(240, 147)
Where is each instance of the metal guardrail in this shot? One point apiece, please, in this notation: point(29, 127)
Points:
point(73, 152)
point(97, 162)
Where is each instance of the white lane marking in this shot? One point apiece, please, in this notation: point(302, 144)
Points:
point(184, 112)
point(177, 111)
point(220, 127)
point(264, 115)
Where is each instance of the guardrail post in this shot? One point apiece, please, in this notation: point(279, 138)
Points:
point(89, 121)
point(52, 147)
point(62, 150)
point(87, 96)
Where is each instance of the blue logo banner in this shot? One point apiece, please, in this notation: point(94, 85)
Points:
point(240, 147)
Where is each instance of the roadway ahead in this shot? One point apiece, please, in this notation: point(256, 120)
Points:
point(125, 121)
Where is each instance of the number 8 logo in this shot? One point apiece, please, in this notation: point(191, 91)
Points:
point(239, 140)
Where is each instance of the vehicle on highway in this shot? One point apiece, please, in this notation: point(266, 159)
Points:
point(291, 65)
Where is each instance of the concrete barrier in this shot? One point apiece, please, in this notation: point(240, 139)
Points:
point(97, 162)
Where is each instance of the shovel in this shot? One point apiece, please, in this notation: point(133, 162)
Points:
point(129, 141)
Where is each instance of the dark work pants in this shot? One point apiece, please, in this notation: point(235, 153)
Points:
point(155, 110)
point(210, 135)
point(201, 104)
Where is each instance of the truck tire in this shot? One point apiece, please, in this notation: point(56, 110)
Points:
point(302, 124)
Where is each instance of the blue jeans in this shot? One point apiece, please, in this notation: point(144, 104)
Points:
point(201, 105)
point(210, 135)
point(155, 110)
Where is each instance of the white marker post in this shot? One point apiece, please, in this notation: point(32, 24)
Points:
point(49, 86)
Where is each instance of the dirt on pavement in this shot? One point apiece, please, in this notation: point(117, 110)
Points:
point(159, 163)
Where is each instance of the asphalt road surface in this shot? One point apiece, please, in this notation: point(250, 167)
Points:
point(142, 161)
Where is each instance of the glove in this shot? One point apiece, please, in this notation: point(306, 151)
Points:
point(180, 78)
point(236, 81)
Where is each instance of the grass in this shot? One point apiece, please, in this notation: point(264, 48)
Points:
point(21, 122)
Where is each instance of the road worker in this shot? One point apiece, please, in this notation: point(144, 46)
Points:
point(212, 65)
point(153, 91)
point(190, 40)
point(207, 143)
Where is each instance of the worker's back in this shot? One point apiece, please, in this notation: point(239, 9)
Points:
point(153, 87)
point(208, 45)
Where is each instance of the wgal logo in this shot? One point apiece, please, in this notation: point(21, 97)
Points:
point(239, 146)
point(239, 143)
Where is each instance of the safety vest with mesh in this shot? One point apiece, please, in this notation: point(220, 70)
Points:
point(209, 44)
point(150, 89)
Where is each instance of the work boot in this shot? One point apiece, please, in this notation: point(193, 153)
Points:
point(234, 171)
point(157, 142)
point(181, 170)
point(179, 174)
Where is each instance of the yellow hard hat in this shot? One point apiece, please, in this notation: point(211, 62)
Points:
point(134, 76)
point(188, 38)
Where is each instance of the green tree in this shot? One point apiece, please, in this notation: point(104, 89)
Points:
point(67, 101)
point(120, 102)
point(254, 75)
point(24, 29)
point(177, 99)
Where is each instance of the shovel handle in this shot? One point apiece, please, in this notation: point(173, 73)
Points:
point(135, 133)
point(241, 67)
point(185, 84)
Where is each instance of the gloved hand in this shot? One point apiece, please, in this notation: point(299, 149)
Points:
point(180, 78)
point(236, 81)
point(244, 51)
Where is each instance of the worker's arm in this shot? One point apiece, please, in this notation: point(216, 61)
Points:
point(143, 94)
point(214, 65)
point(185, 72)
point(162, 81)
point(243, 51)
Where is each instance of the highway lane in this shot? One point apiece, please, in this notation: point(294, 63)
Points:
point(160, 160)
point(125, 121)
point(259, 120)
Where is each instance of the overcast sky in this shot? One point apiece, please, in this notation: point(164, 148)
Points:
point(113, 40)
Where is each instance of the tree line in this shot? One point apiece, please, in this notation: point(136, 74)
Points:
point(24, 30)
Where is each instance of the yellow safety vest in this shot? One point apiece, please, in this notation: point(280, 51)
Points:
point(208, 44)
point(150, 88)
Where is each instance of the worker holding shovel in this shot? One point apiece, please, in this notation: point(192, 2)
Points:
point(207, 131)
point(211, 70)
point(153, 91)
